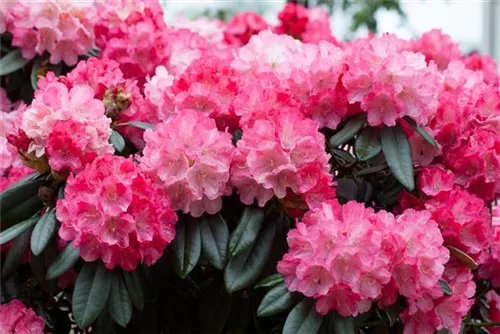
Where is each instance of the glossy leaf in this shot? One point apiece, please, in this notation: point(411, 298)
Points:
point(246, 231)
point(21, 212)
point(303, 319)
point(343, 324)
point(142, 125)
point(34, 72)
point(214, 240)
point(63, 262)
point(445, 287)
point(270, 281)
point(15, 254)
point(91, 293)
point(244, 268)
point(12, 62)
point(350, 128)
point(397, 152)
point(186, 246)
point(277, 300)
point(117, 141)
point(14, 231)
point(135, 287)
point(119, 302)
point(427, 137)
point(18, 192)
point(368, 144)
point(43, 232)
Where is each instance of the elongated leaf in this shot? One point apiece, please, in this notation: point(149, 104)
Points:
point(14, 231)
point(34, 72)
point(463, 258)
point(119, 302)
point(427, 137)
point(19, 192)
point(214, 240)
point(343, 324)
point(397, 152)
point(244, 268)
point(246, 231)
point(16, 253)
point(11, 62)
point(214, 308)
point(368, 144)
point(135, 287)
point(350, 128)
point(270, 281)
point(43, 232)
point(117, 141)
point(445, 287)
point(303, 319)
point(91, 293)
point(142, 125)
point(63, 262)
point(186, 246)
point(40, 264)
point(277, 300)
point(104, 324)
point(22, 212)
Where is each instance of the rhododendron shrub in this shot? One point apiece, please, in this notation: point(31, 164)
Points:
point(243, 176)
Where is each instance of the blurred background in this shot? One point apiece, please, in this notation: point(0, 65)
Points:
point(474, 24)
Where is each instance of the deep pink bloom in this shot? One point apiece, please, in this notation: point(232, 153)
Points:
point(242, 26)
point(16, 318)
point(437, 47)
point(114, 212)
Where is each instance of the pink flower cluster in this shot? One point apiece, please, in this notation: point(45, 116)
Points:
point(114, 212)
point(281, 151)
point(493, 300)
point(308, 25)
point(64, 29)
point(490, 268)
point(389, 82)
point(435, 311)
point(190, 159)
point(437, 47)
point(67, 126)
point(16, 318)
point(346, 257)
point(242, 26)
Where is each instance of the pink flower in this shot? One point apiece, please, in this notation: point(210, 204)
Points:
point(493, 300)
point(390, 83)
point(211, 30)
point(434, 311)
point(272, 153)
point(485, 64)
point(16, 318)
point(193, 170)
point(336, 256)
point(67, 126)
point(437, 47)
point(490, 268)
point(435, 179)
point(242, 26)
point(114, 212)
point(63, 29)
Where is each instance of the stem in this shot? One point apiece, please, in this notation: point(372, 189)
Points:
point(119, 124)
point(481, 324)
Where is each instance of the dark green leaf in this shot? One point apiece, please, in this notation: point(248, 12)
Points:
point(214, 240)
point(16, 253)
point(186, 246)
point(11, 62)
point(247, 230)
point(368, 144)
point(18, 192)
point(64, 261)
point(347, 190)
point(244, 268)
point(350, 128)
point(34, 72)
point(371, 170)
point(14, 231)
point(119, 302)
point(142, 125)
point(43, 232)
point(117, 141)
point(445, 287)
point(397, 152)
point(40, 264)
point(91, 293)
point(270, 281)
point(342, 324)
point(480, 330)
point(135, 287)
point(277, 300)
point(427, 137)
point(214, 308)
point(21, 212)
point(104, 324)
point(303, 319)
